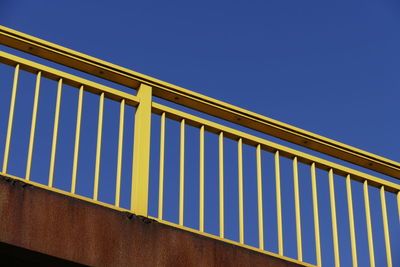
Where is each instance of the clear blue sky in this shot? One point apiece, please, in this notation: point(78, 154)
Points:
point(328, 67)
point(331, 68)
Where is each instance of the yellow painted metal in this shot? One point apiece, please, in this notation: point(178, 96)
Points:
point(98, 148)
point(77, 140)
point(351, 221)
point(297, 208)
point(182, 174)
point(132, 100)
point(240, 186)
point(260, 199)
point(221, 185)
point(10, 119)
point(278, 203)
point(65, 193)
point(284, 151)
point(369, 225)
point(120, 150)
point(196, 101)
point(386, 227)
point(398, 204)
point(161, 170)
point(141, 153)
point(210, 106)
point(316, 216)
point(334, 220)
point(55, 134)
point(33, 126)
point(68, 79)
point(201, 203)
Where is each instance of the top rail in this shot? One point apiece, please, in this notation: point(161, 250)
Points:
point(67, 78)
point(196, 101)
point(266, 145)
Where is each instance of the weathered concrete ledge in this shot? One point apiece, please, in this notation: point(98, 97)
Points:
point(77, 232)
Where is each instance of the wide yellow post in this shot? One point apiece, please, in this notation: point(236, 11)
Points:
point(141, 152)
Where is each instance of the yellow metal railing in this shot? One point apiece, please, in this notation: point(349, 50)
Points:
point(146, 107)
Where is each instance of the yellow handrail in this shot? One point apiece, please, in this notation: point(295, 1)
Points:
point(179, 95)
point(146, 107)
point(284, 151)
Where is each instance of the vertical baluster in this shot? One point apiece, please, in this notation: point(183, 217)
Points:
point(161, 169)
point(386, 227)
point(351, 221)
point(297, 208)
point(221, 184)
point(369, 225)
point(278, 203)
point(240, 185)
point(55, 133)
point(33, 126)
point(260, 199)
point(182, 173)
point(98, 148)
point(398, 204)
point(120, 150)
point(10, 119)
point(201, 217)
point(316, 217)
point(333, 217)
point(77, 139)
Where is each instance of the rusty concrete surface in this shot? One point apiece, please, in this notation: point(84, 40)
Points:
point(74, 230)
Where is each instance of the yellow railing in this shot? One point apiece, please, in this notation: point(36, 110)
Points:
point(146, 107)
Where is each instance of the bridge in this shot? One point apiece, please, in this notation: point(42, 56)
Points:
point(104, 166)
